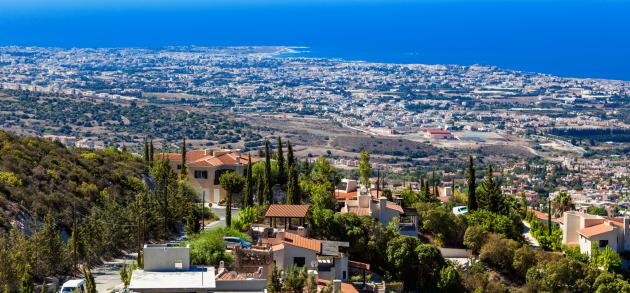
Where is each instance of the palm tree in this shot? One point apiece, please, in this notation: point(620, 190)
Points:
point(562, 203)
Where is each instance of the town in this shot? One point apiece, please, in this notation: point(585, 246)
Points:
point(253, 169)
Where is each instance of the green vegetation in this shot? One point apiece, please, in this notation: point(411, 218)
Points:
point(540, 231)
point(103, 191)
point(207, 248)
point(121, 122)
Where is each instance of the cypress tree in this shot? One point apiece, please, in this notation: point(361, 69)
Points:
point(184, 171)
point(151, 153)
point(260, 189)
point(427, 191)
point(282, 176)
point(248, 199)
point(290, 158)
point(435, 187)
point(146, 151)
point(293, 186)
point(470, 181)
point(269, 180)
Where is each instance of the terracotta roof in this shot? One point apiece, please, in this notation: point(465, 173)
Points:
point(299, 241)
point(287, 211)
point(200, 158)
point(595, 230)
point(438, 131)
point(345, 287)
point(343, 195)
point(359, 211)
point(393, 206)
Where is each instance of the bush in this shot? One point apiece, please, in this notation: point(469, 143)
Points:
point(474, 238)
point(524, 258)
point(503, 225)
point(498, 253)
point(207, 248)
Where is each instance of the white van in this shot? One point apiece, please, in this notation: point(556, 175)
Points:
point(460, 210)
point(72, 285)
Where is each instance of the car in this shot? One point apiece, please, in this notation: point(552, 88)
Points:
point(77, 285)
point(233, 242)
point(460, 210)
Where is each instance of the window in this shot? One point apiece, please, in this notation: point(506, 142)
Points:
point(299, 261)
point(201, 174)
point(603, 243)
point(344, 275)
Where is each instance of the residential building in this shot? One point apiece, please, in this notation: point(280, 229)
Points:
point(327, 258)
point(439, 134)
point(205, 168)
point(585, 231)
point(167, 269)
point(359, 200)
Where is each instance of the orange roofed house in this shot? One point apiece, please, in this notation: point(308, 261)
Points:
point(205, 168)
point(585, 230)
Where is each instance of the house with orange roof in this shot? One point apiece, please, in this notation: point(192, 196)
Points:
point(362, 201)
point(205, 168)
point(586, 230)
point(327, 258)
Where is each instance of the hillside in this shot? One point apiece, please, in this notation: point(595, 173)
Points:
point(39, 176)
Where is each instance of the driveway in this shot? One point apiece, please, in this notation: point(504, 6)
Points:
point(220, 212)
point(528, 236)
point(107, 275)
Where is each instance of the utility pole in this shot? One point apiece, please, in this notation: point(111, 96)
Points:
point(74, 237)
point(203, 210)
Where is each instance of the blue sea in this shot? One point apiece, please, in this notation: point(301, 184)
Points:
point(588, 38)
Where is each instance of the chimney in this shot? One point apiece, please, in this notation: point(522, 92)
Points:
point(301, 231)
point(238, 158)
point(337, 286)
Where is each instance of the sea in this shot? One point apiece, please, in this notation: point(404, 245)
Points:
point(584, 38)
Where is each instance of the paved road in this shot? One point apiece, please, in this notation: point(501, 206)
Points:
point(107, 275)
point(220, 212)
point(528, 236)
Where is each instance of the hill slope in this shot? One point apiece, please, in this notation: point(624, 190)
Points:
point(39, 176)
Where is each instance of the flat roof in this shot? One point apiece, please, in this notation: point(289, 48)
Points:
point(174, 281)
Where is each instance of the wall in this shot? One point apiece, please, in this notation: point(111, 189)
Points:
point(162, 258)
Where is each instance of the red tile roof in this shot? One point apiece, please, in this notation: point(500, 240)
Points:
point(358, 211)
point(200, 158)
point(287, 211)
point(299, 241)
point(595, 230)
point(393, 206)
point(358, 265)
point(343, 195)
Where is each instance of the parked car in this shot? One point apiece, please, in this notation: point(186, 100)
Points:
point(460, 210)
point(72, 285)
point(233, 242)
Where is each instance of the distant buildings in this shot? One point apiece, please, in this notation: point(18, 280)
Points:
point(438, 134)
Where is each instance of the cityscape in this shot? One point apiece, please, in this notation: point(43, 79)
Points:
point(267, 168)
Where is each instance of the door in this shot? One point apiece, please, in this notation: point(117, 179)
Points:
point(217, 195)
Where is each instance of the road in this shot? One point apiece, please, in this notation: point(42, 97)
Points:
point(107, 275)
point(528, 236)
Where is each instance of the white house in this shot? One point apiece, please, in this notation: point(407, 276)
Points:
point(583, 230)
point(361, 201)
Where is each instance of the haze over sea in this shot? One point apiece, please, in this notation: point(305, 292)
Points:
point(587, 38)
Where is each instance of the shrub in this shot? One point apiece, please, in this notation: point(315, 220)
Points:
point(474, 238)
point(207, 248)
point(498, 253)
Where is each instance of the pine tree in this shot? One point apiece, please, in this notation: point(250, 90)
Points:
point(90, 284)
point(274, 285)
point(27, 285)
point(470, 181)
point(268, 178)
point(282, 172)
point(248, 199)
point(489, 194)
point(184, 170)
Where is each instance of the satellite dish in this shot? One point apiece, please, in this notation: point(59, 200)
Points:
point(313, 263)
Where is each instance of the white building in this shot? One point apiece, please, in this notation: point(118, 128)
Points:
point(584, 230)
